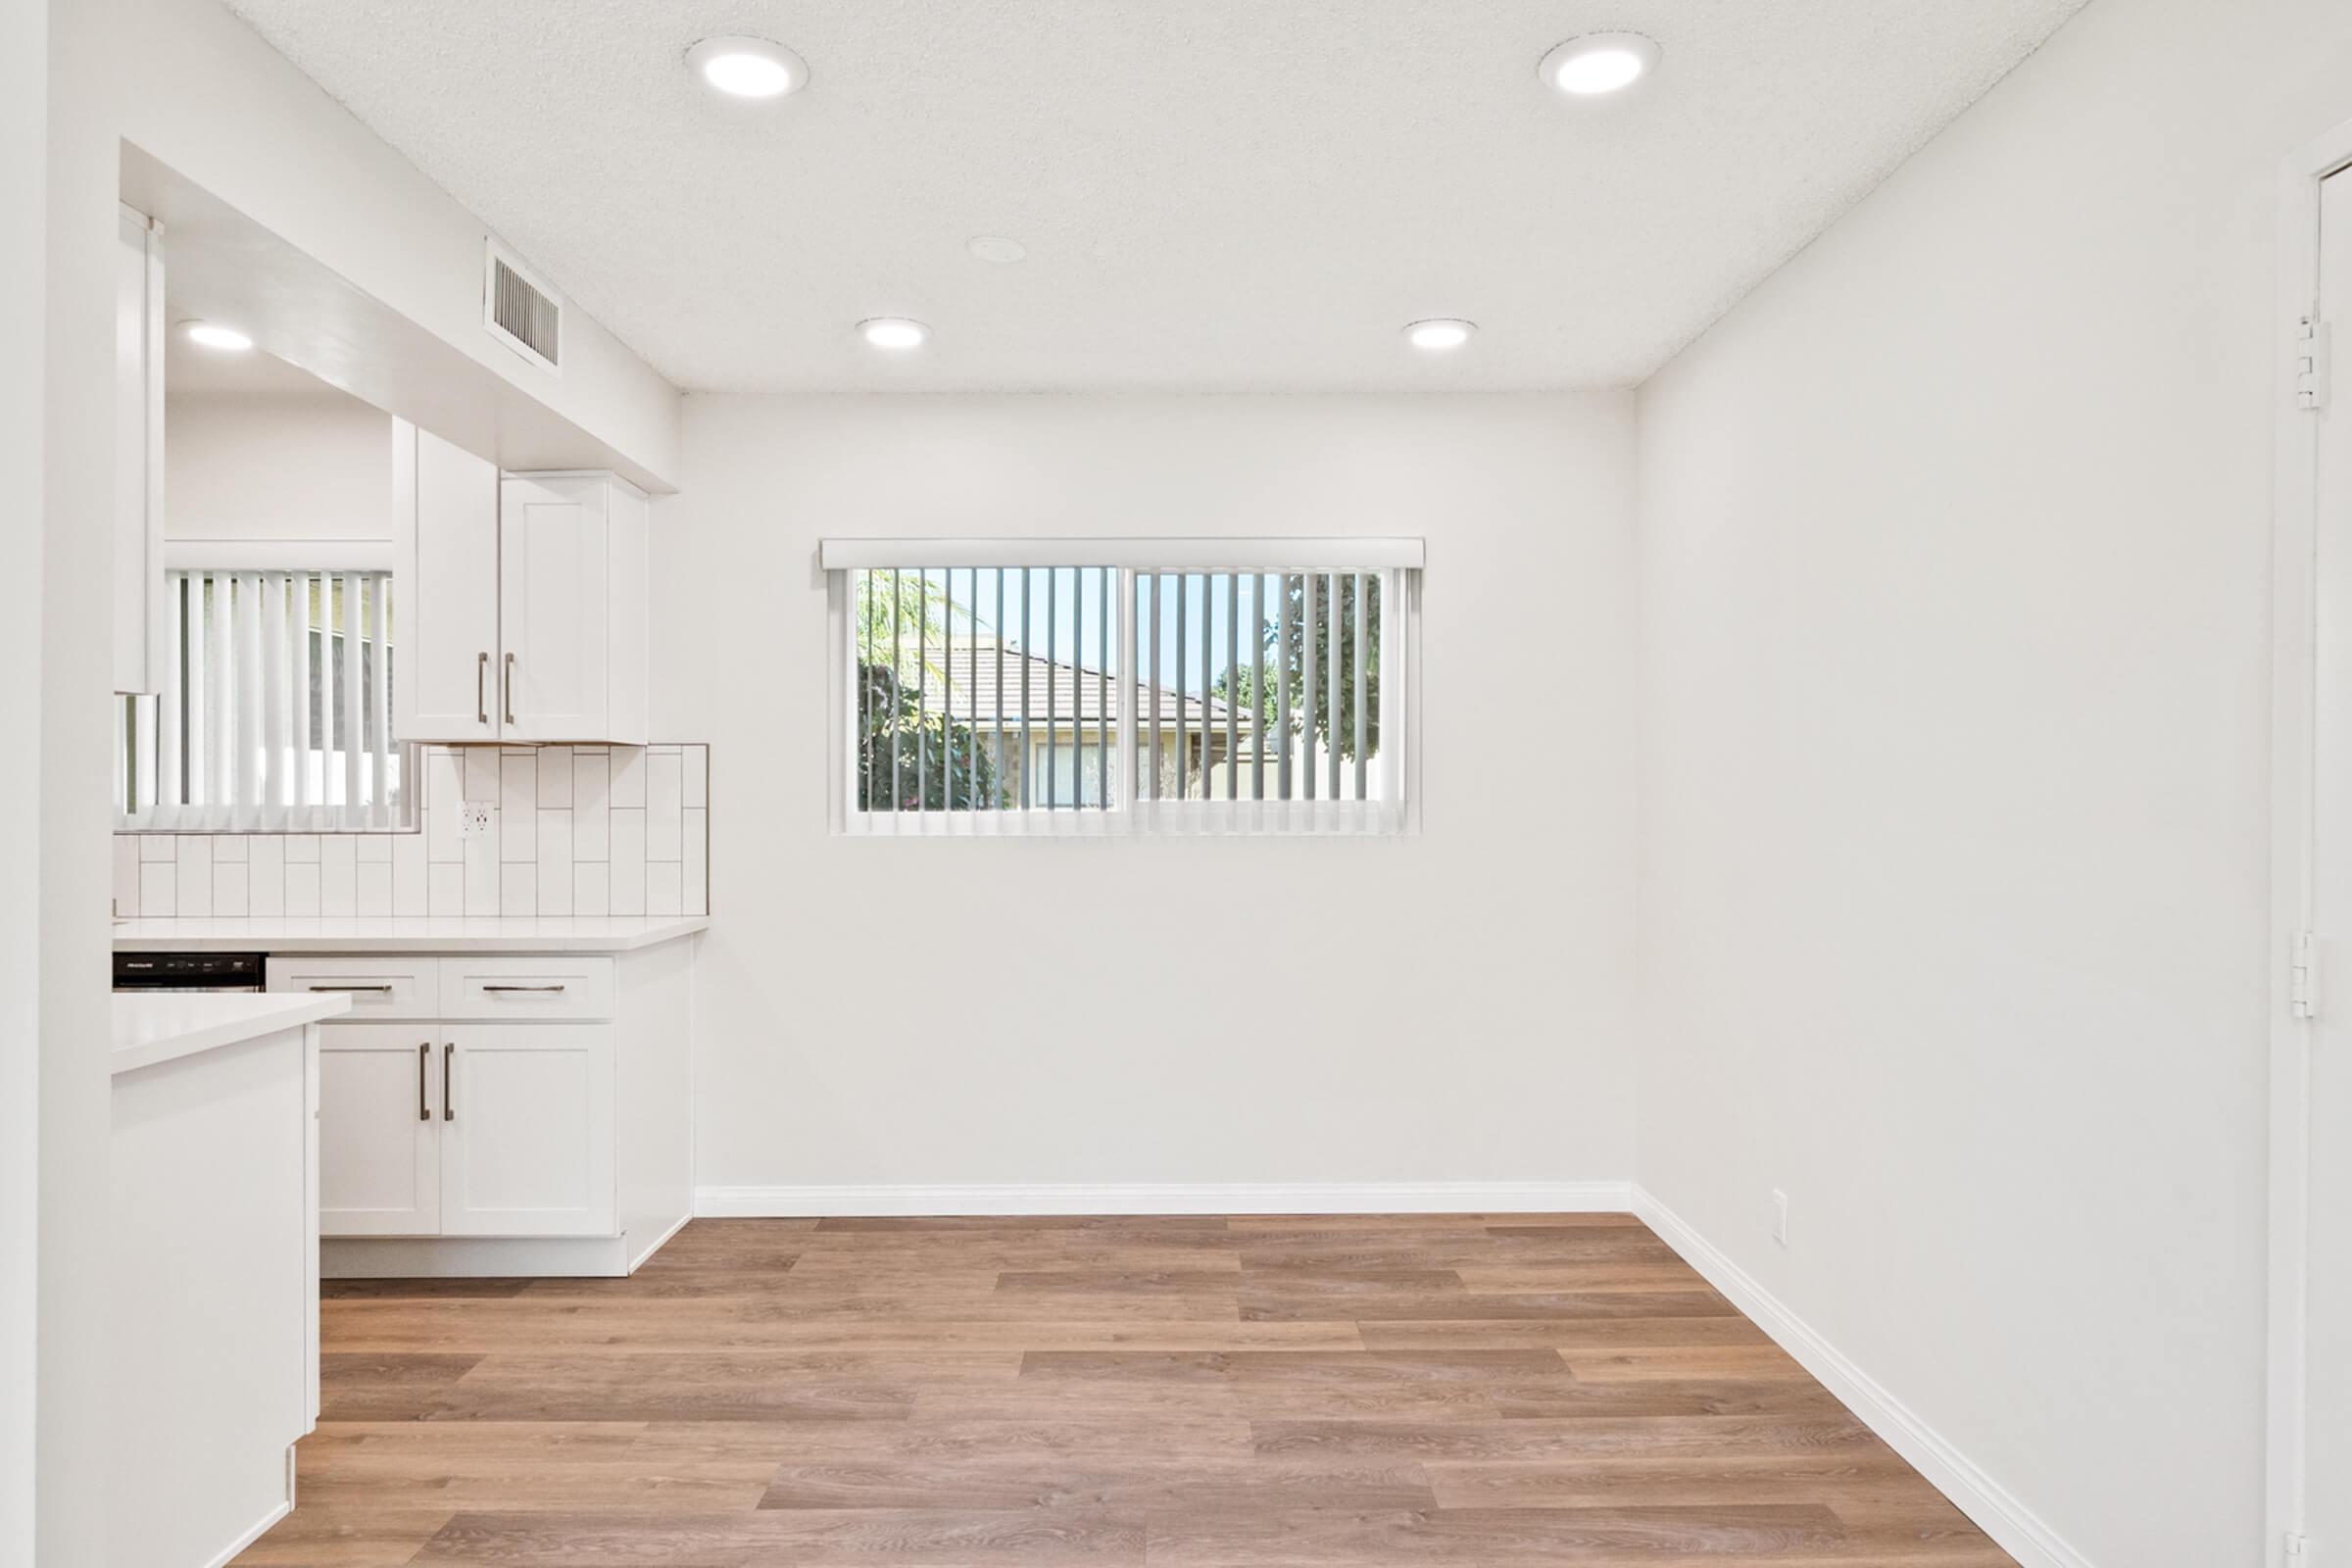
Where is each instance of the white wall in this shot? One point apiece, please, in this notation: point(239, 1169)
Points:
point(24, 184)
point(70, 752)
point(1955, 693)
point(1455, 1007)
point(277, 467)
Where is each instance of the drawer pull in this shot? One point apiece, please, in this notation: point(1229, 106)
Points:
point(385, 989)
point(523, 988)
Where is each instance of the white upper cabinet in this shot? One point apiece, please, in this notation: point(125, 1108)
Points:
point(527, 613)
point(139, 626)
point(445, 518)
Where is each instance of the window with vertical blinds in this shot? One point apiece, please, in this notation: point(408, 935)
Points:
point(275, 713)
point(1120, 686)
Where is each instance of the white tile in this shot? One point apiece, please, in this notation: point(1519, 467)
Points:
point(375, 847)
point(555, 776)
point(698, 776)
point(266, 874)
point(443, 786)
point(231, 879)
point(664, 791)
point(591, 791)
point(518, 836)
point(444, 890)
point(482, 772)
point(628, 861)
point(375, 888)
point(695, 888)
point(481, 871)
point(554, 862)
point(661, 896)
point(230, 847)
point(338, 876)
point(591, 888)
point(408, 874)
point(157, 847)
point(302, 890)
point(628, 775)
point(518, 889)
point(158, 884)
point(301, 847)
point(127, 875)
point(195, 883)
point(517, 784)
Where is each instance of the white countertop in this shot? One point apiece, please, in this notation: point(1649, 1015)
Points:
point(422, 934)
point(163, 1026)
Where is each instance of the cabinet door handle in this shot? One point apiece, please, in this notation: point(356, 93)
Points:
point(388, 990)
point(522, 988)
point(482, 703)
point(448, 1107)
point(510, 688)
point(425, 1059)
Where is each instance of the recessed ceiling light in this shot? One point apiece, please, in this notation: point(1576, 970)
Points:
point(996, 248)
point(1599, 63)
point(894, 332)
point(212, 335)
point(747, 67)
point(1438, 335)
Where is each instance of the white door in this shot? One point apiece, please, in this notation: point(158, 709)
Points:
point(554, 613)
point(445, 521)
point(379, 1097)
point(526, 1146)
point(2327, 1434)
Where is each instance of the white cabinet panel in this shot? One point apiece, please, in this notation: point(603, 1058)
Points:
point(527, 1142)
point(380, 988)
point(380, 1087)
point(445, 508)
point(139, 638)
point(554, 579)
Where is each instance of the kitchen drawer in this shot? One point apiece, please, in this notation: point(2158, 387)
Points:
point(519, 989)
point(379, 987)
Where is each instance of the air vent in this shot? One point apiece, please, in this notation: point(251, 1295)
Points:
point(520, 312)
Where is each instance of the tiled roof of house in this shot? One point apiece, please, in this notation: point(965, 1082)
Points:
point(966, 675)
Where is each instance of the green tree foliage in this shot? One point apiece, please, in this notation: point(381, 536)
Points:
point(912, 757)
point(1239, 686)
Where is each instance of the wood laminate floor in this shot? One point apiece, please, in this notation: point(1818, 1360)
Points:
point(1191, 1393)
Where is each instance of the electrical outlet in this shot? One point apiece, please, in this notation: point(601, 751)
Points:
point(1780, 1216)
point(474, 819)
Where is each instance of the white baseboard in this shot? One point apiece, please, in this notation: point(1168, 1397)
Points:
point(1169, 1198)
point(268, 1522)
point(2013, 1527)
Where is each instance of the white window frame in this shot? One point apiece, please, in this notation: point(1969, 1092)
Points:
point(1398, 561)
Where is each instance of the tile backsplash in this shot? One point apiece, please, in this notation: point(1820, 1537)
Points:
point(572, 830)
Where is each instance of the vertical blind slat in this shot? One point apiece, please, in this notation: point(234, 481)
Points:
point(1103, 770)
point(1332, 633)
point(353, 708)
point(1308, 687)
point(1362, 740)
point(1028, 786)
point(380, 650)
point(1053, 692)
point(1233, 662)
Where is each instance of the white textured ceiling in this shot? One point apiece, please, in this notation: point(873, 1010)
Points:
point(1215, 194)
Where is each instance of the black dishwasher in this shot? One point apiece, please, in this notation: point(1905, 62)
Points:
point(189, 971)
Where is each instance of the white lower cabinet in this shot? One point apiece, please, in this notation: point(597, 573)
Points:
point(526, 1138)
point(533, 1122)
point(379, 1130)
